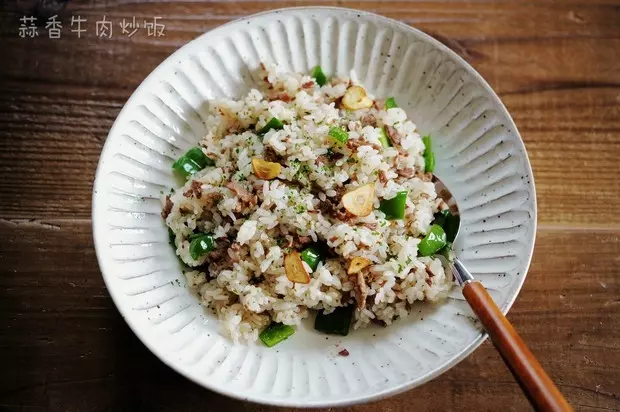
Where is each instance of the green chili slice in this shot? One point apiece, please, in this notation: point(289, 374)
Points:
point(273, 123)
point(390, 103)
point(449, 222)
point(429, 156)
point(312, 255)
point(433, 242)
point(275, 333)
point(192, 161)
point(336, 323)
point(338, 134)
point(319, 76)
point(384, 139)
point(200, 244)
point(394, 208)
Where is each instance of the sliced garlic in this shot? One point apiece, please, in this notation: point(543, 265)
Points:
point(360, 201)
point(355, 98)
point(264, 169)
point(294, 268)
point(356, 264)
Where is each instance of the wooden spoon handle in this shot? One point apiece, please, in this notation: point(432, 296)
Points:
point(540, 390)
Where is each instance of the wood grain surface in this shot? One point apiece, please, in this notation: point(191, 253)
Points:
point(63, 345)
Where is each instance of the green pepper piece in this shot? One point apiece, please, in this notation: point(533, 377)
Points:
point(449, 222)
point(192, 161)
point(440, 217)
point(394, 208)
point(390, 103)
point(433, 242)
point(319, 76)
point(312, 255)
point(273, 123)
point(336, 323)
point(339, 134)
point(429, 156)
point(275, 333)
point(384, 139)
point(200, 244)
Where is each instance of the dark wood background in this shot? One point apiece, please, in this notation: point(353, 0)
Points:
point(63, 345)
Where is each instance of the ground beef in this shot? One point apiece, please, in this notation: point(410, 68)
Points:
point(394, 135)
point(322, 159)
point(195, 189)
point(286, 98)
point(218, 258)
point(329, 158)
point(354, 144)
point(296, 242)
point(383, 177)
point(184, 209)
point(244, 196)
point(211, 198)
point(270, 155)
point(167, 208)
point(340, 191)
point(308, 85)
point(368, 120)
point(335, 156)
point(329, 206)
point(233, 252)
point(425, 177)
point(370, 225)
point(304, 240)
point(343, 352)
point(407, 172)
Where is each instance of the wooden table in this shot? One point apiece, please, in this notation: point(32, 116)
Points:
point(64, 346)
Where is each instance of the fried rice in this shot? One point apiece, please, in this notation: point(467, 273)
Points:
point(256, 222)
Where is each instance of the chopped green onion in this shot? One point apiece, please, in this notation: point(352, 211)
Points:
point(192, 161)
point(312, 255)
point(449, 222)
point(200, 244)
point(390, 103)
point(394, 208)
point(273, 123)
point(338, 134)
point(319, 76)
point(171, 237)
point(384, 139)
point(429, 156)
point(336, 323)
point(275, 333)
point(433, 242)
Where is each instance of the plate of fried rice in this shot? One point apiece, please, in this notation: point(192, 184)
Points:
point(267, 216)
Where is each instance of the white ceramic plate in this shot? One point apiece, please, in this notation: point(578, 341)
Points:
point(480, 156)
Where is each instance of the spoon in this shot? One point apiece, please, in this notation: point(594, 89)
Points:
point(534, 381)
